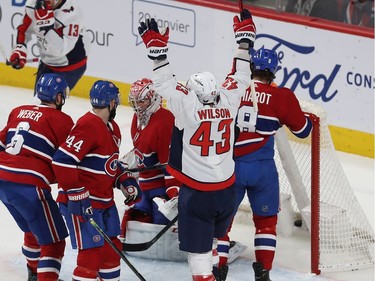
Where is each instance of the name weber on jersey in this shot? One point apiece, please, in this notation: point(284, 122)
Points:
point(30, 114)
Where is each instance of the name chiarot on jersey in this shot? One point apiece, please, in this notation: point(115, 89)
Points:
point(262, 97)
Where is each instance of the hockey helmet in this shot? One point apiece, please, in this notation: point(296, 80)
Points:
point(265, 60)
point(140, 91)
point(49, 86)
point(205, 86)
point(103, 92)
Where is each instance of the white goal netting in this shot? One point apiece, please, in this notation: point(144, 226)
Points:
point(345, 239)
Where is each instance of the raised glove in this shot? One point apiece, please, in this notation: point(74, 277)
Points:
point(245, 30)
point(130, 188)
point(18, 57)
point(156, 42)
point(79, 203)
point(44, 16)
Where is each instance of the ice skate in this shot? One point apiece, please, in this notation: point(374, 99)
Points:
point(261, 274)
point(220, 273)
point(31, 276)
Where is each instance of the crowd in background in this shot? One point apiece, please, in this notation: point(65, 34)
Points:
point(353, 12)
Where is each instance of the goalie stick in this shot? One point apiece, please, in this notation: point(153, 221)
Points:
point(122, 256)
point(137, 247)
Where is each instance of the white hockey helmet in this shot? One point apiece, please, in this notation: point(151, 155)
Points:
point(205, 86)
point(142, 90)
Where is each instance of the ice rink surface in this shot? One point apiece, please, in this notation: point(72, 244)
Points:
point(292, 261)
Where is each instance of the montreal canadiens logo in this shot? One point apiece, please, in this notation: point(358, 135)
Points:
point(111, 165)
point(139, 158)
point(96, 238)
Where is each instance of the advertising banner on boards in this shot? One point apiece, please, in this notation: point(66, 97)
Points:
point(332, 69)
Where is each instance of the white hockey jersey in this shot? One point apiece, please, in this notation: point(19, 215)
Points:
point(64, 46)
point(201, 154)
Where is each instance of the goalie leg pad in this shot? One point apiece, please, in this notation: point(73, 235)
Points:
point(235, 250)
point(133, 215)
point(165, 248)
point(265, 240)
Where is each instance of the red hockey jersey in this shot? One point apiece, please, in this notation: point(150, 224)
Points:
point(151, 147)
point(276, 107)
point(28, 143)
point(89, 158)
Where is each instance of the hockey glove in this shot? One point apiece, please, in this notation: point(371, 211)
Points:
point(127, 183)
point(245, 30)
point(131, 191)
point(156, 42)
point(79, 203)
point(44, 16)
point(18, 57)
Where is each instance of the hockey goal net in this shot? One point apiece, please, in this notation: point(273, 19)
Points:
point(313, 181)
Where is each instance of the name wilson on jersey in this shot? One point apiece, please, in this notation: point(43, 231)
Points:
point(213, 113)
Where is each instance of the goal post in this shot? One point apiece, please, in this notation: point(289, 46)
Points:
point(313, 180)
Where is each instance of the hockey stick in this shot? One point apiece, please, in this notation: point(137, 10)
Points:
point(240, 6)
point(146, 245)
point(27, 61)
point(122, 256)
point(156, 167)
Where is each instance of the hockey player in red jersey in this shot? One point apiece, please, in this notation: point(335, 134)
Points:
point(27, 145)
point(201, 155)
point(58, 26)
point(151, 132)
point(86, 167)
point(264, 109)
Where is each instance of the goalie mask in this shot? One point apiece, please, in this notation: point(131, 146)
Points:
point(144, 100)
point(205, 86)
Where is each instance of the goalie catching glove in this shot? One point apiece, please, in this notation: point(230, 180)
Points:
point(168, 208)
point(156, 42)
point(245, 30)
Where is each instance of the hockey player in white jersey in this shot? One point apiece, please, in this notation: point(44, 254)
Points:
point(201, 155)
point(62, 45)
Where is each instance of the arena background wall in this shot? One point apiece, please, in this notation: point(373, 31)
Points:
point(327, 63)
